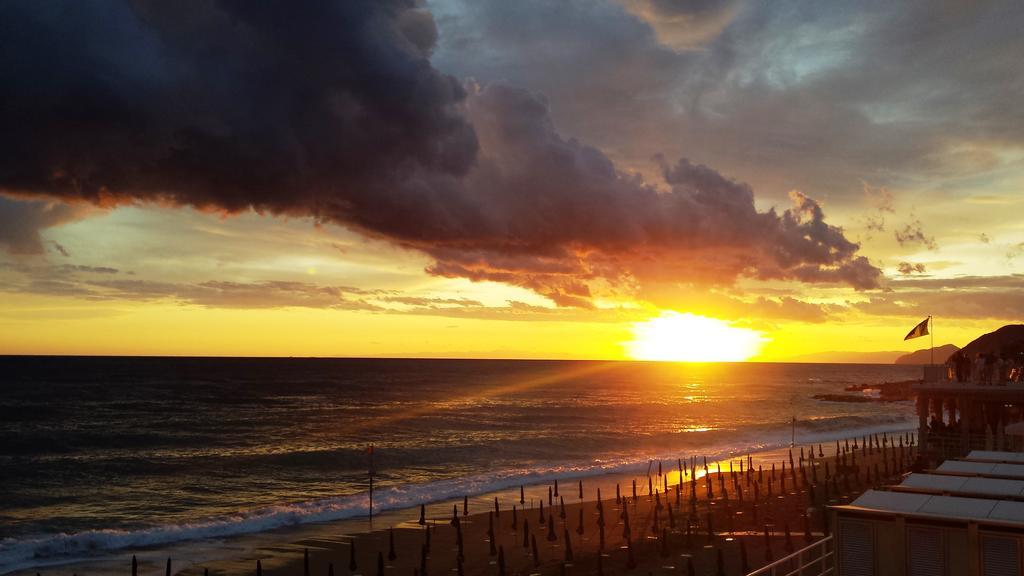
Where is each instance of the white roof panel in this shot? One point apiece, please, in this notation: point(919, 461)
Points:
point(1008, 511)
point(981, 468)
point(935, 482)
point(978, 485)
point(993, 486)
point(928, 506)
point(966, 467)
point(1015, 470)
point(995, 456)
point(958, 506)
point(891, 501)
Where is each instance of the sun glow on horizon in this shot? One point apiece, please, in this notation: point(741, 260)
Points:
point(676, 337)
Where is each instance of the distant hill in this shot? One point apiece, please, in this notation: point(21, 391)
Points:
point(924, 356)
point(840, 357)
point(1007, 340)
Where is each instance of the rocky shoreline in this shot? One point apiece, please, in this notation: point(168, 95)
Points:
point(886, 392)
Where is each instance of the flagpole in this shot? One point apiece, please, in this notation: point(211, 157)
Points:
point(931, 334)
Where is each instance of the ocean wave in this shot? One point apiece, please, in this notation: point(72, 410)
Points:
point(835, 423)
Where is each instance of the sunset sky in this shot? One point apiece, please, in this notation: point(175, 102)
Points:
point(508, 179)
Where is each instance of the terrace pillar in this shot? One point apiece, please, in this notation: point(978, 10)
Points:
point(966, 406)
point(1000, 425)
point(973, 550)
point(922, 421)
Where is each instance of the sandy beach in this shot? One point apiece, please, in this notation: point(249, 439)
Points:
point(741, 523)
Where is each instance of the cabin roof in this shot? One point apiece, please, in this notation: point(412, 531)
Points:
point(937, 507)
point(994, 456)
point(962, 485)
point(964, 467)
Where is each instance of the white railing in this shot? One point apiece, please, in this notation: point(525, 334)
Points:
point(818, 559)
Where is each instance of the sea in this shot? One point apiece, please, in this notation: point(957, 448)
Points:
point(103, 455)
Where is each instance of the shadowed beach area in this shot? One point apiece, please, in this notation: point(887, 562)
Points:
point(727, 517)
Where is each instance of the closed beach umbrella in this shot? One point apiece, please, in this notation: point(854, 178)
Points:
point(305, 562)
point(533, 547)
point(522, 495)
point(380, 563)
point(542, 513)
point(330, 569)
point(135, 566)
point(526, 533)
point(391, 544)
point(497, 512)
point(515, 521)
point(259, 568)
point(168, 571)
point(501, 561)
point(551, 531)
point(423, 514)
point(352, 556)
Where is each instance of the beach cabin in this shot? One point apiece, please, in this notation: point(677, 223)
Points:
point(964, 517)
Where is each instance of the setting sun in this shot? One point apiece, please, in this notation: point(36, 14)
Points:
point(689, 338)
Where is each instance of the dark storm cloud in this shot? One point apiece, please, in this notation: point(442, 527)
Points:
point(907, 268)
point(333, 110)
point(913, 233)
point(789, 94)
point(557, 213)
point(20, 223)
point(312, 108)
